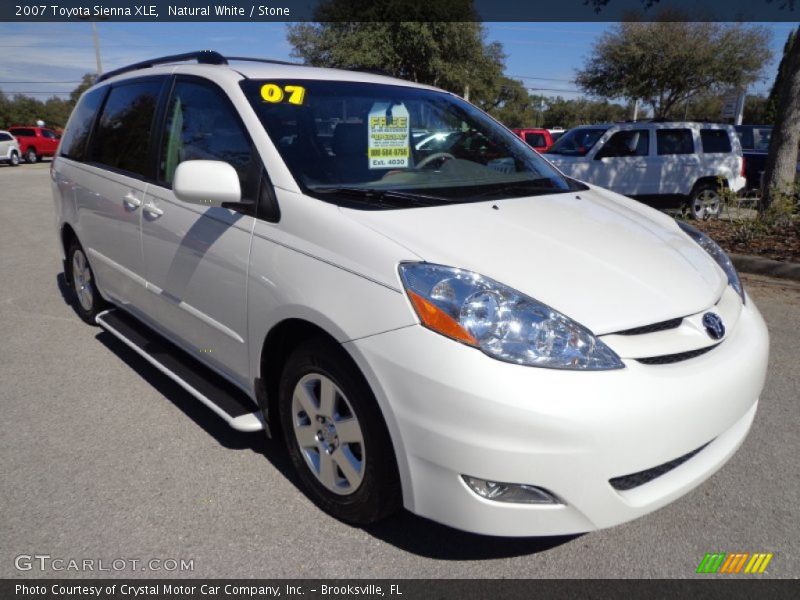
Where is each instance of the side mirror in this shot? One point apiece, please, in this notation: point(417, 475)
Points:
point(206, 182)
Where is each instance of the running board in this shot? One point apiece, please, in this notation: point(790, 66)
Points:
point(218, 394)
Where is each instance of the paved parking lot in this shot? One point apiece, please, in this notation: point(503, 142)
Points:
point(104, 458)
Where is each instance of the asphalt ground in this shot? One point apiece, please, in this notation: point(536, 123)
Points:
point(102, 457)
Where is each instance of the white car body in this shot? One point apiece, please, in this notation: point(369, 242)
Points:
point(9, 147)
point(655, 175)
point(604, 260)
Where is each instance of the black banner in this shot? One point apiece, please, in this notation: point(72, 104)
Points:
point(399, 589)
point(398, 10)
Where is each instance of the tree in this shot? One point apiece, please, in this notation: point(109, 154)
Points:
point(55, 111)
point(781, 164)
point(87, 81)
point(580, 111)
point(439, 44)
point(666, 63)
point(772, 100)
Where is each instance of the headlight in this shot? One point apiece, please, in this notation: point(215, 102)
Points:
point(717, 253)
point(504, 323)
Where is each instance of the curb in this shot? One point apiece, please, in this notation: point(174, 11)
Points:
point(758, 265)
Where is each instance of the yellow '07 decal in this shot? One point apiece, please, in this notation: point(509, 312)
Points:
point(293, 94)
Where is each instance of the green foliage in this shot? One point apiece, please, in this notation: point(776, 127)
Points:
point(666, 63)
point(439, 44)
point(580, 111)
point(26, 110)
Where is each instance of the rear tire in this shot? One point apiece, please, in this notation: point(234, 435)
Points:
point(705, 201)
point(336, 436)
point(14, 159)
point(86, 299)
point(31, 157)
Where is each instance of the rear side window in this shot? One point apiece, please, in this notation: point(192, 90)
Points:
point(73, 144)
point(635, 142)
point(23, 132)
point(49, 134)
point(535, 140)
point(674, 141)
point(715, 141)
point(4, 137)
point(761, 137)
point(202, 125)
point(122, 135)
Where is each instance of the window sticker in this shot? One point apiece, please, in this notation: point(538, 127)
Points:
point(389, 132)
point(273, 93)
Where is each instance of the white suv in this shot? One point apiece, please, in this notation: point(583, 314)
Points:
point(458, 329)
point(666, 164)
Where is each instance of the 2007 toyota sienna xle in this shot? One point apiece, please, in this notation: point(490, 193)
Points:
point(458, 329)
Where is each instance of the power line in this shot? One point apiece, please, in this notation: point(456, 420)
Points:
point(538, 89)
point(35, 82)
point(10, 92)
point(543, 78)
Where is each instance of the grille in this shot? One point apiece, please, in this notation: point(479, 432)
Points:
point(662, 326)
point(668, 359)
point(628, 482)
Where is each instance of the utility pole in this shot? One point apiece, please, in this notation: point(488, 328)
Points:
point(636, 110)
point(740, 107)
point(97, 49)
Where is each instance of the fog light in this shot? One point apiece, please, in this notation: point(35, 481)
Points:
point(518, 493)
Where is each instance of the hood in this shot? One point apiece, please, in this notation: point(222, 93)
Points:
point(601, 259)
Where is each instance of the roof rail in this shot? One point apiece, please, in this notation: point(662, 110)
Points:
point(271, 61)
point(203, 57)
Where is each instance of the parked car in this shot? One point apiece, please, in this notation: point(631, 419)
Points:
point(556, 132)
point(664, 164)
point(9, 149)
point(538, 139)
point(35, 142)
point(465, 332)
point(755, 148)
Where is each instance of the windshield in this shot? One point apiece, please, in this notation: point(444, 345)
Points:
point(577, 142)
point(383, 139)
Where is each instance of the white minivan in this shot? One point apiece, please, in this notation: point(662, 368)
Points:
point(456, 328)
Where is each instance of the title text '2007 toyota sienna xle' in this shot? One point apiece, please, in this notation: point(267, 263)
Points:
point(460, 330)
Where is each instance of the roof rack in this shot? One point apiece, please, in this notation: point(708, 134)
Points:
point(271, 61)
point(203, 57)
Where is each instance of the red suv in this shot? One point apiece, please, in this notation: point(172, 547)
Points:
point(538, 139)
point(35, 143)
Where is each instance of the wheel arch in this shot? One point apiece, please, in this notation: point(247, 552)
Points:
point(279, 342)
point(712, 180)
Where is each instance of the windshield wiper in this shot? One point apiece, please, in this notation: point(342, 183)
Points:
point(528, 187)
point(374, 195)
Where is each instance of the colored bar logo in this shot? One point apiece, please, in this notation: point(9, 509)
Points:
point(733, 563)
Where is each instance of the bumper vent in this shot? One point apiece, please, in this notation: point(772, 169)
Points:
point(634, 480)
point(654, 327)
point(668, 359)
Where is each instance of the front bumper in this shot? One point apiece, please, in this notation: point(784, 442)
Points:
point(454, 411)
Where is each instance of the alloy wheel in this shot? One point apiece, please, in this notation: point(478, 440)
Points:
point(328, 433)
point(706, 204)
point(82, 280)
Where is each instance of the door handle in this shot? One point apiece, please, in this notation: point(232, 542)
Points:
point(153, 210)
point(131, 201)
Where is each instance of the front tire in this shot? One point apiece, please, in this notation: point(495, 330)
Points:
point(14, 160)
point(705, 201)
point(335, 435)
point(87, 300)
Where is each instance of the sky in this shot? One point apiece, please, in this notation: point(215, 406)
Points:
point(46, 58)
